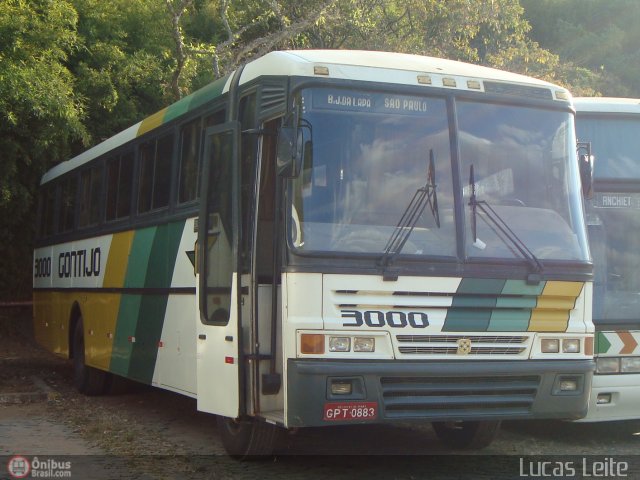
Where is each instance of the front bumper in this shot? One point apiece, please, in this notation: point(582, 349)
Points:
point(623, 390)
point(439, 391)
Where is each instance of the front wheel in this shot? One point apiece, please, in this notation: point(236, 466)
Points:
point(248, 439)
point(467, 435)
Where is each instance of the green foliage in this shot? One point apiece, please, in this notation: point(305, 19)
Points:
point(122, 64)
point(41, 116)
point(74, 72)
point(600, 38)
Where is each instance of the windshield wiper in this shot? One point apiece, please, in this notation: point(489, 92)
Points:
point(503, 232)
point(425, 195)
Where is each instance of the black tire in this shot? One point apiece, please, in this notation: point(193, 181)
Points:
point(117, 385)
point(247, 439)
point(88, 380)
point(467, 435)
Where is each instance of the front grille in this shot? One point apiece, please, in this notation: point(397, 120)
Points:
point(448, 344)
point(451, 397)
point(454, 351)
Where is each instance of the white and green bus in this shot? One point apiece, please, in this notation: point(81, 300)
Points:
point(329, 238)
point(612, 127)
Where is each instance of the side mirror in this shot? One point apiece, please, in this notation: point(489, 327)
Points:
point(289, 151)
point(585, 162)
point(295, 145)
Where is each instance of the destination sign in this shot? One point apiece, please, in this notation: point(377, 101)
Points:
point(352, 101)
point(617, 200)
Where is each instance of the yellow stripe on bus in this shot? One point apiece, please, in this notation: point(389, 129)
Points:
point(543, 320)
point(101, 309)
point(562, 289)
point(151, 122)
point(101, 314)
point(116, 268)
point(554, 306)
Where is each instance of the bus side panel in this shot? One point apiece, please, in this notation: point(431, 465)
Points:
point(100, 311)
point(51, 320)
point(141, 315)
point(175, 367)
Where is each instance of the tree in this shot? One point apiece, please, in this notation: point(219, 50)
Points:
point(41, 119)
point(122, 63)
point(600, 38)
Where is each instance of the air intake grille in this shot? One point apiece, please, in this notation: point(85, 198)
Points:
point(518, 90)
point(273, 96)
point(448, 344)
point(443, 397)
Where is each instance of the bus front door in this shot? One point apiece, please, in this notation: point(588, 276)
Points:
point(218, 348)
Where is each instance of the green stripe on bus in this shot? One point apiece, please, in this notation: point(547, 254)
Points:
point(481, 286)
point(125, 333)
point(482, 304)
point(175, 110)
point(467, 320)
point(163, 253)
point(509, 320)
point(602, 344)
point(206, 94)
point(521, 287)
point(139, 258)
point(474, 301)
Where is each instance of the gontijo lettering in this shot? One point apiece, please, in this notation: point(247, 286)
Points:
point(79, 263)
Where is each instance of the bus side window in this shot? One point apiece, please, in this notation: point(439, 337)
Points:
point(66, 218)
point(189, 153)
point(47, 211)
point(125, 185)
point(162, 174)
point(155, 174)
point(119, 184)
point(216, 118)
point(90, 193)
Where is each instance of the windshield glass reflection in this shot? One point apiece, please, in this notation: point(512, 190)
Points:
point(524, 165)
point(370, 156)
point(370, 153)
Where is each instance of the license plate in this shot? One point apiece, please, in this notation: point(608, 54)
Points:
point(337, 411)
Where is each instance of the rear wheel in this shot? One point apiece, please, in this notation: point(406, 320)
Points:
point(248, 439)
point(467, 435)
point(88, 380)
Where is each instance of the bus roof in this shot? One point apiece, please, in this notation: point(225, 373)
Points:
point(352, 64)
point(387, 67)
point(606, 105)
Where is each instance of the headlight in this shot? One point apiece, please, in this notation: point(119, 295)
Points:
point(570, 345)
point(364, 344)
point(607, 365)
point(339, 344)
point(550, 345)
point(630, 364)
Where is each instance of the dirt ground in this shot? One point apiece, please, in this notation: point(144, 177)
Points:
point(150, 433)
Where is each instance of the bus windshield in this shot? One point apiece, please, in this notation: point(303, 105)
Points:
point(616, 145)
point(613, 215)
point(370, 153)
